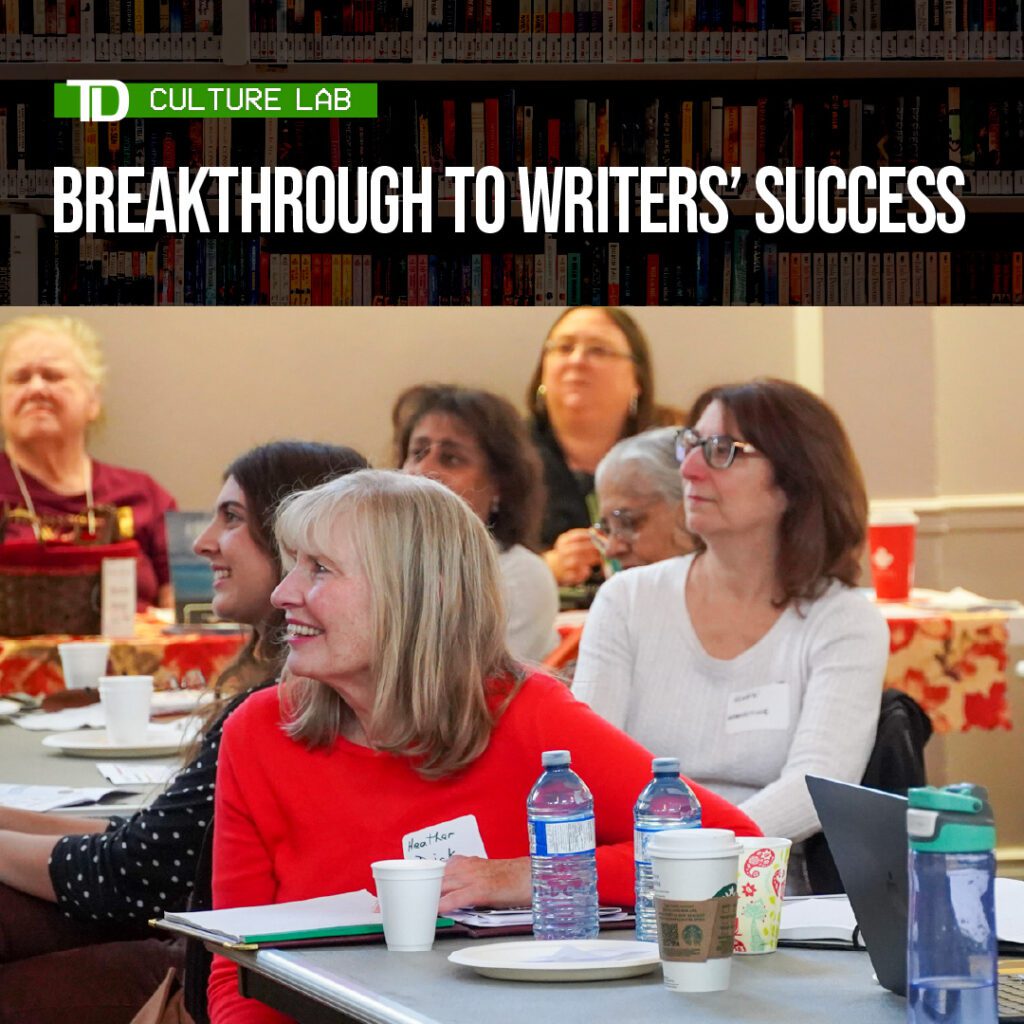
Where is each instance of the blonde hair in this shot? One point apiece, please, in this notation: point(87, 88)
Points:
point(438, 621)
point(84, 340)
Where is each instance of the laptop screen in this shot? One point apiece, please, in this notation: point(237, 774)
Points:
point(867, 833)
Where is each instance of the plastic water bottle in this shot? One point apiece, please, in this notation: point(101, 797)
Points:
point(666, 802)
point(560, 812)
point(951, 942)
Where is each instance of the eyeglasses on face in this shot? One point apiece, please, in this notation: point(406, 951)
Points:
point(622, 523)
point(590, 351)
point(719, 450)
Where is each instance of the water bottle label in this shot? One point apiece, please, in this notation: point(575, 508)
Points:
point(562, 838)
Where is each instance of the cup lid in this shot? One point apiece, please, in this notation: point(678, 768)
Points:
point(694, 843)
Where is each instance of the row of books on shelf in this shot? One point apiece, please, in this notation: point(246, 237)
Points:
point(98, 31)
point(979, 127)
point(738, 268)
point(629, 31)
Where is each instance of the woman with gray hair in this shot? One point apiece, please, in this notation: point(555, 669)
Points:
point(51, 377)
point(402, 716)
point(640, 500)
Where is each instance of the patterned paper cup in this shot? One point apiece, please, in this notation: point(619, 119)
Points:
point(760, 883)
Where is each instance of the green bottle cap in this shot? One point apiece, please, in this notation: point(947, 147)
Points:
point(955, 819)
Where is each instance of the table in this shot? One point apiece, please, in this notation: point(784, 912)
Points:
point(23, 759)
point(31, 664)
point(952, 662)
point(369, 985)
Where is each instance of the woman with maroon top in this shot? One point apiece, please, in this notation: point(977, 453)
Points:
point(51, 373)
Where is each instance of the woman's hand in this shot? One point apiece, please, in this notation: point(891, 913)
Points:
point(477, 881)
point(572, 558)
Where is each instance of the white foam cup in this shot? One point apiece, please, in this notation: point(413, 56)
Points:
point(126, 701)
point(695, 901)
point(83, 662)
point(408, 891)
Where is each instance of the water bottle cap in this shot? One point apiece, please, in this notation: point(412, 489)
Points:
point(955, 819)
point(694, 844)
point(665, 764)
point(555, 758)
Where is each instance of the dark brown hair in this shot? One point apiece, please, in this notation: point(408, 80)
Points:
point(647, 413)
point(512, 461)
point(823, 528)
point(266, 475)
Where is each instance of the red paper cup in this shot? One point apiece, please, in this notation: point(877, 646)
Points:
point(891, 541)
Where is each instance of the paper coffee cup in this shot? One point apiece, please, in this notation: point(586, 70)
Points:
point(408, 892)
point(891, 541)
point(761, 884)
point(83, 662)
point(126, 704)
point(695, 901)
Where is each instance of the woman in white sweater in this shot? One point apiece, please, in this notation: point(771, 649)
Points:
point(753, 660)
point(474, 443)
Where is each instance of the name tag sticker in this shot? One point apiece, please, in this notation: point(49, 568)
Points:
point(763, 707)
point(439, 842)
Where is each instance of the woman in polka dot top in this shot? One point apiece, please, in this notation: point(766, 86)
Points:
point(75, 894)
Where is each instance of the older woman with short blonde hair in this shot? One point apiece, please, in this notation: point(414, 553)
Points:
point(51, 378)
point(403, 712)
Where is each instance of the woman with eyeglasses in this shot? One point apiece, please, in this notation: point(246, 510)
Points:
point(754, 660)
point(640, 502)
point(593, 385)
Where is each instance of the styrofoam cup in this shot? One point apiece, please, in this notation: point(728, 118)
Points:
point(83, 662)
point(695, 901)
point(892, 537)
point(762, 884)
point(126, 702)
point(408, 891)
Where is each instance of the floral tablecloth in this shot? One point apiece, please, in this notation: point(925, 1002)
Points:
point(31, 664)
point(954, 665)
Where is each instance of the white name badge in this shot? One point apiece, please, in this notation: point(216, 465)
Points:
point(763, 707)
point(440, 842)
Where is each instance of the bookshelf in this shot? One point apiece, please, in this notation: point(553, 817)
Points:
point(981, 265)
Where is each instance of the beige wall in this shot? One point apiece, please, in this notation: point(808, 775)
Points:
point(191, 388)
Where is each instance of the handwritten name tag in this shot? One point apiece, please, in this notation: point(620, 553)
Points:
point(763, 707)
point(439, 842)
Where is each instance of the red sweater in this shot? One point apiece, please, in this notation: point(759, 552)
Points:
point(294, 823)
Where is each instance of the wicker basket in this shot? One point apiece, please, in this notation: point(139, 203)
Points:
point(54, 588)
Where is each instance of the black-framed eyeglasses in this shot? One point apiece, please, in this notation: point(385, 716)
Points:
point(719, 450)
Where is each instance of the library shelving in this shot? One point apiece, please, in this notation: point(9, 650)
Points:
point(455, 89)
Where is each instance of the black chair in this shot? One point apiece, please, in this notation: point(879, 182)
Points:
point(896, 765)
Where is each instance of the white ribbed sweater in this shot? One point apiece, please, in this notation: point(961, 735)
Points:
point(643, 668)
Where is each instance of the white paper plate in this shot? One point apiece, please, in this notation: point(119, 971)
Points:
point(10, 707)
point(94, 743)
point(576, 960)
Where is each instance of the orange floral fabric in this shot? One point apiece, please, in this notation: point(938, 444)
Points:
point(954, 666)
point(31, 664)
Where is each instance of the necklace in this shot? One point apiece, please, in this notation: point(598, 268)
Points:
point(90, 509)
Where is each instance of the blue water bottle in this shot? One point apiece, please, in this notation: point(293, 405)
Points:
point(563, 868)
point(666, 802)
point(951, 939)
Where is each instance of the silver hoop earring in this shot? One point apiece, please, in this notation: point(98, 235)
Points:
point(634, 404)
point(539, 400)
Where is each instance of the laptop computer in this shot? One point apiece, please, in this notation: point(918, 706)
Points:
point(867, 833)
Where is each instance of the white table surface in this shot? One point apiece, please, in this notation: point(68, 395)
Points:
point(370, 985)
